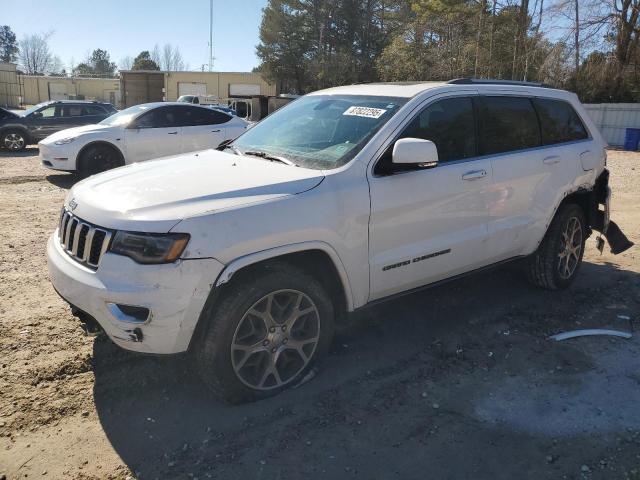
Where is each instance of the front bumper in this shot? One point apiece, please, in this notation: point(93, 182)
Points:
point(58, 157)
point(174, 293)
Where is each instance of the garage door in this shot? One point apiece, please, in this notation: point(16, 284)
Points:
point(243, 90)
point(58, 91)
point(189, 88)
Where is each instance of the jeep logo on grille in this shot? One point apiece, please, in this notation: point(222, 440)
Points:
point(73, 204)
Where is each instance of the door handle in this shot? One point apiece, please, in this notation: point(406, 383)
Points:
point(474, 175)
point(172, 133)
point(215, 131)
point(551, 160)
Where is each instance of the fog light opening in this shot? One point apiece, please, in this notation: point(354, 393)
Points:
point(129, 313)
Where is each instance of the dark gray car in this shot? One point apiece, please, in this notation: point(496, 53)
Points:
point(17, 130)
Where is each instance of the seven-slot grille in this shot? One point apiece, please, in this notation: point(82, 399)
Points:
point(84, 242)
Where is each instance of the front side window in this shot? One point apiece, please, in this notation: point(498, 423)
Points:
point(320, 131)
point(507, 124)
point(48, 112)
point(163, 117)
point(559, 122)
point(124, 117)
point(450, 125)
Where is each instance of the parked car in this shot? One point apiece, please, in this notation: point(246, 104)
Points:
point(248, 257)
point(199, 99)
point(139, 133)
point(19, 130)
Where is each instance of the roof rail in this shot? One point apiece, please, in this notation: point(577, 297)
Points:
point(488, 81)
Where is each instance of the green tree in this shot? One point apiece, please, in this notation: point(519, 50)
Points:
point(97, 64)
point(143, 62)
point(8, 44)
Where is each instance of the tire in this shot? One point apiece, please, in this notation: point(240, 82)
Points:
point(97, 159)
point(554, 266)
point(239, 345)
point(14, 140)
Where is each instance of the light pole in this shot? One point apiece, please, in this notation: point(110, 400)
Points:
point(210, 34)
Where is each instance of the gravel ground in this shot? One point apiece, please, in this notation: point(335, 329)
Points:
point(456, 382)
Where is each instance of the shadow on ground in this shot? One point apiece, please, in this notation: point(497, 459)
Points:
point(27, 152)
point(458, 381)
point(63, 180)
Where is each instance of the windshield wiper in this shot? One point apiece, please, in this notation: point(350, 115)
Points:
point(268, 156)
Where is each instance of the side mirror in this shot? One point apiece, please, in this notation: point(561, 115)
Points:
point(415, 151)
point(37, 114)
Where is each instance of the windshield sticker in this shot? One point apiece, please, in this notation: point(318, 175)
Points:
point(366, 112)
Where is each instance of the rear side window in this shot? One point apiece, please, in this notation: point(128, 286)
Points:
point(559, 122)
point(194, 116)
point(507, 124)
point(94, 110)
point(73, 111)
point(450, 125)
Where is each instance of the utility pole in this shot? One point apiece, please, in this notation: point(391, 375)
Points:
point(210, 34)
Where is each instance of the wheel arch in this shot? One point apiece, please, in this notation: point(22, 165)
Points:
point(93, 143)
point(315, 257)
point(18, 126)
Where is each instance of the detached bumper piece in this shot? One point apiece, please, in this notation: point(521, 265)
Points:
point(600, 220)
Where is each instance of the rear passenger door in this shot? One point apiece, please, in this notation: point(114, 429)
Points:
point(530, 173)
point(428, 224)
point(202, 128)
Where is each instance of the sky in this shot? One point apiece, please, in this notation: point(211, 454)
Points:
point(125, 28)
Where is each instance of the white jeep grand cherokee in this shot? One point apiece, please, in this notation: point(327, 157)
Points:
point(249, 256)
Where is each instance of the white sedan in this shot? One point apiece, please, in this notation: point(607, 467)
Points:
point(138, 133)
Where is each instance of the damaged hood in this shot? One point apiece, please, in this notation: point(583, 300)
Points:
point(153, 196)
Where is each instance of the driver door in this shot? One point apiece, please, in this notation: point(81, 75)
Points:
point(428, 224)
point(154, 134)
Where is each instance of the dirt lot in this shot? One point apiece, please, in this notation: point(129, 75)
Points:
point(456, 382)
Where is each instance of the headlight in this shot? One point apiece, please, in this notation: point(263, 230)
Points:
point(150, 247)
point(64, 141)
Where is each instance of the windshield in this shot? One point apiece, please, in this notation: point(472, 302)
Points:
point(186, 99)
point(35, 108)
point(320, 131)
point(123, 117)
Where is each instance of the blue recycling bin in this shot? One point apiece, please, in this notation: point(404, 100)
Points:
point(631, 139)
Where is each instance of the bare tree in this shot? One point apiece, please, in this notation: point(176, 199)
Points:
point(171, 58)
point(125, 63)
point(155, 55)
point(35, 57)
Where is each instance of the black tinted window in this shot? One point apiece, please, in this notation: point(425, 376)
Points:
point(193, 116)
point(94, 110)
point(162, 117)
point(450, 125)
point(507, 124)
point(559, 122)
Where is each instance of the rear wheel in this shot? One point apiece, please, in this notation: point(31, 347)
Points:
point(99, 158)
point(556, 262)
point(15, 140)
point(264, 334)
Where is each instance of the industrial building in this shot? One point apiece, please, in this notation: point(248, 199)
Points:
point(133, 87)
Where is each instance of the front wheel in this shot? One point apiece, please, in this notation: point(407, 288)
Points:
point(14, 140)
point(556, 262)
point(264, 333)
point(98, 158)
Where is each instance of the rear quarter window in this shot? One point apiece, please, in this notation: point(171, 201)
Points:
point(559, 122)
point(507, 124)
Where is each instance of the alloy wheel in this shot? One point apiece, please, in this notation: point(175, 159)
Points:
point(14, 141)
point(570, 248)
point(275, 339)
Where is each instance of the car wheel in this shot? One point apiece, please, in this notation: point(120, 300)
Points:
point(14, 140)
point(99, 158)
point(264, 333)
point(556, 262)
